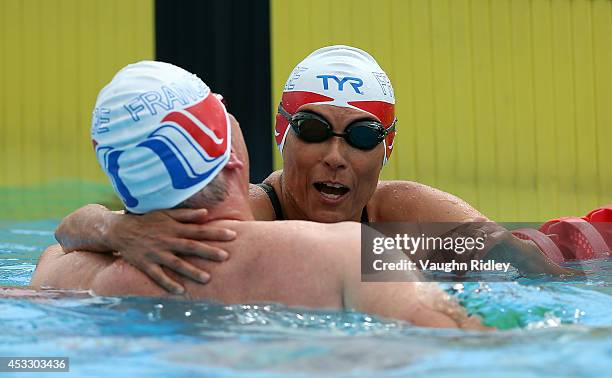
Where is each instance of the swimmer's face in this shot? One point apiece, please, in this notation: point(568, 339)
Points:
point(330, 181)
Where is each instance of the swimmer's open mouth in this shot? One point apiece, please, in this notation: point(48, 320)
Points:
point(331, 190)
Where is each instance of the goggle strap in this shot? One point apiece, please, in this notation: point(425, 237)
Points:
point(284, 113)
point(391, 128)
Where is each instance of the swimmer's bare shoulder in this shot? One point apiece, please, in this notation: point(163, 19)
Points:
point(101, 273)
point(409, 201)
point(274, 177)
point(316, 250)
point(299, 240)
point(260, 204)
point(42, 274)
point(291, 262)
point(287, 261)
point(76, 270)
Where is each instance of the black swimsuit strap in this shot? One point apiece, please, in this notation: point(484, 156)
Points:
point(278, 210)
point(364, 215)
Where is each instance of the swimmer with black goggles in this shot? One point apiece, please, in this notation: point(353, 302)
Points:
point(312, 128)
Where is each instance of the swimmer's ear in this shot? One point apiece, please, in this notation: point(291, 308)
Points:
point(234, 162)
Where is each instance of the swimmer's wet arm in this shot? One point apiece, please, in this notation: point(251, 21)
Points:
point(501, 245)
point(420, 303)
point(407, 201)
point(528, 258)
point(86, 229)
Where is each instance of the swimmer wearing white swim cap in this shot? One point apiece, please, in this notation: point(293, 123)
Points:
point(335, 128)
point(158, 118)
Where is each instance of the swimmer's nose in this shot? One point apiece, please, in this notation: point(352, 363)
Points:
point(335, 154)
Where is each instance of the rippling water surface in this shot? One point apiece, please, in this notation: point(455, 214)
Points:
point(548, 329)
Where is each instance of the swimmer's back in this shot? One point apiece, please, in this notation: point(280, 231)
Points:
point(293, 262)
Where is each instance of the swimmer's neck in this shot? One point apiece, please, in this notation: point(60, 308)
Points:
point(235, 206)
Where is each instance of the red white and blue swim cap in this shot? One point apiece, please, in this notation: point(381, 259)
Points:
point(159, 134)
point(341, 76)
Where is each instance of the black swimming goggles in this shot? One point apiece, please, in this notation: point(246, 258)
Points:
point(312, 128)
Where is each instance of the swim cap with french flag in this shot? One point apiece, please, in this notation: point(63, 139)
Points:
point(342, 76)
point(159, 134)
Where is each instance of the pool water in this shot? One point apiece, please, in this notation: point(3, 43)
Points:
point(548, 329)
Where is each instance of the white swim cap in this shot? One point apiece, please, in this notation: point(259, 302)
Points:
point(342, 76)
point(159, 134)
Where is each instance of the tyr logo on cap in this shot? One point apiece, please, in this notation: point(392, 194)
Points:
point(355, 82)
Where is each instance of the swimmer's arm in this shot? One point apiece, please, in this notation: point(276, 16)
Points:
point(433, 205)
point(407, 201)
point(423, 304)
point(148, 241)
point(502, 246)
point(86, 229)
point(420, 303)
point(527, 257)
